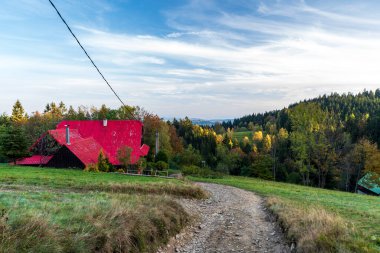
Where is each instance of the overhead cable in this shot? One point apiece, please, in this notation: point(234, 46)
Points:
point(93, 63)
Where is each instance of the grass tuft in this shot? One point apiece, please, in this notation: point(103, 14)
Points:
point(313, 229)
point(29, 233)
point(142, 226)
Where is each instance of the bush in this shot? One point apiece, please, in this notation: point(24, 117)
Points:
point(261, 167)
point(173, 165)
point(161, 165)
point(91, 168)
point(150, 165)
point(162, 156)
point(104, 164)
point(124, 155)
point(222, 168)
point(190, 156)
point(142, 162)
point(196, 171)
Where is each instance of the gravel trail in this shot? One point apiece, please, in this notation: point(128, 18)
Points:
point(231, 220)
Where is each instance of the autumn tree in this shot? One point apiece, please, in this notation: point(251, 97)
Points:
point(176, 142)
point(365, 158)
point(18, 113)
point(124, 156)
point(153, 124)
point(257, 136)
point(103, 163)
point(267, 143)
point(313, 133)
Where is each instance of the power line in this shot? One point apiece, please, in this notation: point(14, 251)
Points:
point(93, 63)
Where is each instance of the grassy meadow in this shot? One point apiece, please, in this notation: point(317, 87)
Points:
point(318, 220)
point(241, 135)
point(59, 210)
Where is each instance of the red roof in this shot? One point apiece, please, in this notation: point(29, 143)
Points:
point(34, 160)
point(87, 150)
point(88, 137)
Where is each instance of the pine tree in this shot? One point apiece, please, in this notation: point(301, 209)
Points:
point(71, 113)
point(18, 113)
point(13, 143)
point(103, 162)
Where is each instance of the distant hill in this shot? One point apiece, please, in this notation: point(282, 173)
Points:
point(360, 113)
point(345, 105)
point(207, 122)
point(201, 122)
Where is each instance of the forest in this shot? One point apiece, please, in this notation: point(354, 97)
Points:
point(327, 142)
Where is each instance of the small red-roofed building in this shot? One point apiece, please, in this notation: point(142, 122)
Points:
point(77, 143)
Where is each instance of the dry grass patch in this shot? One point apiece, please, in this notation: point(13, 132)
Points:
point(141, 225)
point(187, 190)
point(313, 229)
point(51, 210)
point(27, 234)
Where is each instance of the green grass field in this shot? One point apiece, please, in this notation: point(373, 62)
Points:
point(241, 135)
point(360, 214)
point(59, 210)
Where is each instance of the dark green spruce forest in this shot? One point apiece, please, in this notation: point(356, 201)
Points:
point(327, 142)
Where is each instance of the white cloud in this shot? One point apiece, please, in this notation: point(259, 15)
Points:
point(222, 65)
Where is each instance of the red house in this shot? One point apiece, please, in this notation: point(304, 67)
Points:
point(77, 143)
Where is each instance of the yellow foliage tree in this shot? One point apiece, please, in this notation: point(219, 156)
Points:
point(230, 133)
point(283, 134)
point(258, 136)
point(18, 113)
point(219, 139)
point(230, 143)
point(267, 143)
point(245, 140)
point(367, 156)
point(372, 157)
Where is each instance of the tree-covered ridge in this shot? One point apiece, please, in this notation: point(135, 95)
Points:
point(331, 139)
point(359, 113)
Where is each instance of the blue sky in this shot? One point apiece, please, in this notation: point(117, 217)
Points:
point(197, 58)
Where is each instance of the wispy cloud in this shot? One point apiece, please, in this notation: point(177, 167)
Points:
point(217, 59)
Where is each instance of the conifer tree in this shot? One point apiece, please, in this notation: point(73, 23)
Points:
point(13, 143)
point(18, 113)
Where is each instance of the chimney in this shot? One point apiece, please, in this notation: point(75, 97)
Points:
point(67, 134)
point(157, 142)
point(104, 122)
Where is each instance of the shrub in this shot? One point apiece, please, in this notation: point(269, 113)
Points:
point(222, 168)
point(190, 156)
point(103, 163)
point(161, 165)
point(261, 168)
point(124, 155)
point(174, 165)
point(141, 165)
point(196, 171)
point(162, 156)
point(91, 168)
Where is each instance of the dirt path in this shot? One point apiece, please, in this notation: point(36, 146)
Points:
point(232, 220)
